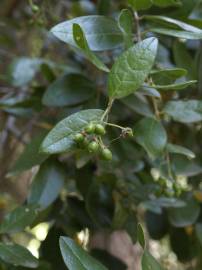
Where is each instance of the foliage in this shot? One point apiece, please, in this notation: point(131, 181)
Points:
point(101, 112)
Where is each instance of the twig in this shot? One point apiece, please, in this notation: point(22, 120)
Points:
point(156, 110)
point(170, 174)
point(138, 30)
point(106, 112)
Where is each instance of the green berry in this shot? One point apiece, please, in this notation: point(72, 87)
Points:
point(175, 186)
point(90, 128)
point(177, 189)
point(162, 182)
point(99, 129)
point(35, 8)
point(106, 154)
point(83, 144)
point(93, 147)
point(79, 137)
point(169, 193)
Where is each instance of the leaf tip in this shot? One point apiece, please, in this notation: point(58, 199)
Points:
point(61, 241)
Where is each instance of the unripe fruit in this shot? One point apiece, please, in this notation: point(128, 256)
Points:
point(79, 138)
point(106, 154)
point(169, 193)
point(177, 189)
point(162, 182)
point(35, 8)
point(83, 144)
point(90, 128)
point(158, 192)
point(99, 129)
point(93, 147)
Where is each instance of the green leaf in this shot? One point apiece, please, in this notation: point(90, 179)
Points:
point(146, 4)
point(17, 255)
point(80, 40)
point(99, 203)
point(126, 25)
point(183, 244)
point(137, 105)
point(175, 86)
point(156, 205)
point(173, 22)
point(47, 184)
point(184, 167)
point(140, 4)
point(18, 219)
point(109, 260)
point(149, 263)
point(176, 33)
point(151, 135)
point(102, 33)
point(166, 3)
point(171, 73)
point(185, 9)
point(184, 216)
point(140, 236)
point(167, 76)
point(177, 149)
point(199, 232)
point(77, 211)
point(149, 91)
point(77, 258)
point(47, 72)
point(104, 7)
point(131, 68)
point(184, 59)
point(22, 70)
point(126, 220)
point(30, 156)
point(68, 90)
point(61, 137)
point(189, 111)
point(157, 224)
point(130, 226)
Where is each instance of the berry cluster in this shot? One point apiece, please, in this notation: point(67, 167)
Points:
point(90, 139)
point(171, 191)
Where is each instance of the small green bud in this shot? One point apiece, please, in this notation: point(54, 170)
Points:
point(100, 130)
point(90, 128)
point(130, 133)
point(106, 154)
point(93, 147)
point(79, 137)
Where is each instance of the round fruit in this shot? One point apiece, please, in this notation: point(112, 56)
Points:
point(99, 129)
point(169, 193)
point(35, 8)
point(83, 144)
point(177, 189)
point(79, 138)
point(90, 128)
point(162, 182)
point(93, 147)
point(106, 154)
